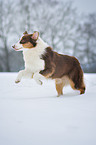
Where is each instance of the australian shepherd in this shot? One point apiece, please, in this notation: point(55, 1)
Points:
point(42, 62)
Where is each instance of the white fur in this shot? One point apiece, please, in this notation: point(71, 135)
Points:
point(19, 47)
point(33, 63)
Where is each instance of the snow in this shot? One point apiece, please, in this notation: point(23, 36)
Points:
point(32, 115)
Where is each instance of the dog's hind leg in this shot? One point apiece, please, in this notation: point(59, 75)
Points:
point(77, 80)
point(81, 88)
point(59, 86)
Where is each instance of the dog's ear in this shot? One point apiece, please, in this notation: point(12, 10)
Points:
point(25, 33)
point(35, 35)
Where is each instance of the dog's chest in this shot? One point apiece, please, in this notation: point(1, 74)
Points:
point(33, 61)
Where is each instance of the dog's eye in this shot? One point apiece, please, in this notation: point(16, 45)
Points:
point(22, 41)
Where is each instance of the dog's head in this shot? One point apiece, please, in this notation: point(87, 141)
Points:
point(28, 41)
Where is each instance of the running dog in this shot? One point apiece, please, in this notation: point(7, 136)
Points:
point(42, 62)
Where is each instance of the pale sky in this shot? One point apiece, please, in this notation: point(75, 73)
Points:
point(86, 6)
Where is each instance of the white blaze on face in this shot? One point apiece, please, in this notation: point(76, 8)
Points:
point(18, 46)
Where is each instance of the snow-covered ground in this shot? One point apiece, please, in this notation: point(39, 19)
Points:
point(32, 115)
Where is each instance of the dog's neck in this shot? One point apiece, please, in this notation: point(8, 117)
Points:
point(32, 57)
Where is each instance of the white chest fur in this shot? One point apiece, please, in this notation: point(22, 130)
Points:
point(33, 61)
point(32, 56)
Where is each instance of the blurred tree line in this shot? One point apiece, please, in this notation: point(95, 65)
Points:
point(59, 25)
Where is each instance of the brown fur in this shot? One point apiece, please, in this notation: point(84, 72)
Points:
point(63, 67)
point(27, 41)
point(27, 45)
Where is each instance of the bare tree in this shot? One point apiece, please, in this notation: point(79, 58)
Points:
point(86, 46)
point(6, 24)
point(90, 34)
point(58, 24)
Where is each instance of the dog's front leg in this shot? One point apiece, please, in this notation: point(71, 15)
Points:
point(25, 74)
point(37, 77)
point(48, 72)
point(19, 77)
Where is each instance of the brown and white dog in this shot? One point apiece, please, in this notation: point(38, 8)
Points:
point(42, 62)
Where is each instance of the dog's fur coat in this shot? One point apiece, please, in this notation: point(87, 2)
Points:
point(42, 62)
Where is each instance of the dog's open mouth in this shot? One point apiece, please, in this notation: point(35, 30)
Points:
point(17, 49)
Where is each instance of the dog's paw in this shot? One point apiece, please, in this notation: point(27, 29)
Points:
point(39, 82)
point(32, 75)
point(17, 81)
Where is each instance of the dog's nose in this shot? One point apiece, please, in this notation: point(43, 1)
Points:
point(13, 46)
